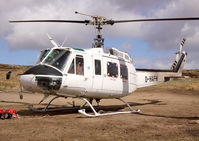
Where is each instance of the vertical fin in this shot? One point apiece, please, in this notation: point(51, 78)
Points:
point(178, 54)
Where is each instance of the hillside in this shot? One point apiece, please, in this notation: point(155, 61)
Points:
point(190, 80)
point(13, 82)
point(191, 73)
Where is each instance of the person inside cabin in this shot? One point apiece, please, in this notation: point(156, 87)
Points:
point(80, 68)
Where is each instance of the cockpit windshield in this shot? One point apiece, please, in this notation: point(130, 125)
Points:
point(57, 58)
point(43, 54)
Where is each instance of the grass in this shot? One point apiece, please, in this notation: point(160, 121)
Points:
point(191, 82)
point(181, 84)
point(191, 73)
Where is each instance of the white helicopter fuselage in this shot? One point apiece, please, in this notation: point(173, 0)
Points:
point(91, 73)
point(106, 73)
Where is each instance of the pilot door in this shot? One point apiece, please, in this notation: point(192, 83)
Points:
point(75, 78)
point(79, 79)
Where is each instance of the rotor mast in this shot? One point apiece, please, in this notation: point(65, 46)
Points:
point(98, 22)
point(98, 41)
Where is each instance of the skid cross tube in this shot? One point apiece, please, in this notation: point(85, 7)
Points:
point(44, 109)
point(96, 114)
point(50, 102)
point(51, 110)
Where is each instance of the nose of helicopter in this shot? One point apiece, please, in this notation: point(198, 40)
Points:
point(41, 78)
point(28, 82)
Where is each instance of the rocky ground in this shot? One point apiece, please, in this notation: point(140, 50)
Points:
point(165, 115)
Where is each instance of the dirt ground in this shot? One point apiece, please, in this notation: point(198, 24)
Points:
point(165, 115)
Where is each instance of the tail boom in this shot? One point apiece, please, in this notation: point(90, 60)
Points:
point(148, 77)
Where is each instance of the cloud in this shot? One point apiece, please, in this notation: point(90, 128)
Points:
point(31, 35)
point(168, 35)
point(158, 35)
point(163, 61)
point(126, 47)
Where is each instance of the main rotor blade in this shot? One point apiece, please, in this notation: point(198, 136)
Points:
point(62, 21)
point(146, 20)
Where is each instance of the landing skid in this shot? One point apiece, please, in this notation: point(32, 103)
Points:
point(51, 109)
point(80, 110)
point(96, 114)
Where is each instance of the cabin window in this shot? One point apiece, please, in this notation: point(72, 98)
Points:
point(97, 67)
point(79, 65)
point(124, 72)
point(112, 69)
point(72, 68)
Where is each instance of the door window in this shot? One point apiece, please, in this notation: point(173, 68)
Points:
point(97, 67)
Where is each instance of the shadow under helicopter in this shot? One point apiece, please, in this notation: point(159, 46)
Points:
point(106, 108)
point(76, 108)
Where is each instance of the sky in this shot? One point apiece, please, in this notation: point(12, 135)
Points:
point(150, 44)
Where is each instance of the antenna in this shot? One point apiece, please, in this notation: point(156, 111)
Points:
point(64, 41)
point(51, 40)
point(83, 14)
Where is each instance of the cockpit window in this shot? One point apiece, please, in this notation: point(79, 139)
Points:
point(77, 66)
point(57, 58)
point(71, 69)
point(43, 54)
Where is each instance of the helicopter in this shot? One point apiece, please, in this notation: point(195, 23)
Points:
point(95, 73)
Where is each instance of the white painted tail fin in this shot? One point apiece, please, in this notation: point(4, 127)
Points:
point(180, 64)
point(178, 54)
